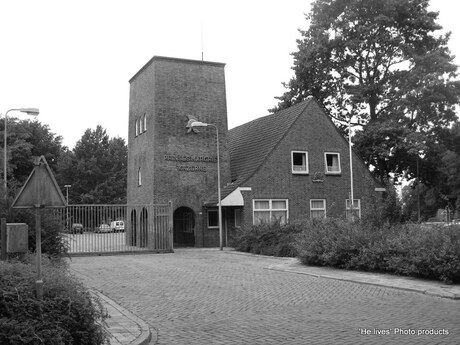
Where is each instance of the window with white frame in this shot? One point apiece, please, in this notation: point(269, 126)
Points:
point(139, 177)
point(145, 122)
point(270, 210)
point(141, 125)
point(317, 208)
point(356, 208)
point(213, 219)
point(237, 214)
point(332, 160)
point(136, 129)
point(299, 161)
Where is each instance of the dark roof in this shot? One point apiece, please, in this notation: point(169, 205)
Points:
point(251, 143)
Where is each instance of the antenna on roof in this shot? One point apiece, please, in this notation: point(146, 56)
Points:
point(202, 44)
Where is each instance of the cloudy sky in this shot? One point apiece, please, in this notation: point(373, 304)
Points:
point(73, 59)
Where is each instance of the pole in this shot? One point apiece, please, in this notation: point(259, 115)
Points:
point(5, 183)
point(418, 192)
point(3, 240)
point(351, 170)
point(38, 251)
point(218, 191)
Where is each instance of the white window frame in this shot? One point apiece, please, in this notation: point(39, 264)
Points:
point(338, 172)
point(269, 209)
point(213, 226)
point(317, 209)
point(145, 122)
point(300, 172)
point(347, 207)
point(136, 125)
point(139, 177)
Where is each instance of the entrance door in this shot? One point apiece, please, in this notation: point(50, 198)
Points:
point(184, 227)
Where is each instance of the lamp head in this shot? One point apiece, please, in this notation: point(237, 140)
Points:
point(198, 124)
point(30, 111)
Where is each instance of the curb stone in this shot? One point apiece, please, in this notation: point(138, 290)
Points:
point(134, 321)
point(430, 288)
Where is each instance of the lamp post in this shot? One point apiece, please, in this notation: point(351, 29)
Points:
point(202, 124)
point(351, 170)
point(28, 111)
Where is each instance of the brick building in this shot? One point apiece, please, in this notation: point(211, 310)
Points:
point(290, 165)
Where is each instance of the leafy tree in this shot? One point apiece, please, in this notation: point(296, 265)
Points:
point(96, 169)
point(380, 62)
point(26, 140)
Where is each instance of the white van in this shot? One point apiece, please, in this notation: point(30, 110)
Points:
point(117, 225)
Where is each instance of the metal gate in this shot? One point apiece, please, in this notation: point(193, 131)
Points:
point(104, 229)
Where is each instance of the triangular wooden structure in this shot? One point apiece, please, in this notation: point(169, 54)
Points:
point(40, 189)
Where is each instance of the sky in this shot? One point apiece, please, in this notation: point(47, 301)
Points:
point(73, 59)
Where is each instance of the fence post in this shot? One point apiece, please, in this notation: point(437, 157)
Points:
point(170, 226)
point(4, 255)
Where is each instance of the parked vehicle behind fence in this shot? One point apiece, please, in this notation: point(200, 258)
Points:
point(117, 225)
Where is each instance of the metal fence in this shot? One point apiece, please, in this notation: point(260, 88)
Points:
point(100, 229)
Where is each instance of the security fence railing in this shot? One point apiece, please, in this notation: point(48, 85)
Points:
point(99, 229)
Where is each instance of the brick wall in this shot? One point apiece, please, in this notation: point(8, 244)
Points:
point(177, 165)
point(315, 133)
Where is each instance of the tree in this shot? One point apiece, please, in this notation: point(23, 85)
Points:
point(379, 62)
point(26, 140)
point(96, 169)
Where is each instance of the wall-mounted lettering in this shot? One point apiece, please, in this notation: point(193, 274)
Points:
point(180, 158)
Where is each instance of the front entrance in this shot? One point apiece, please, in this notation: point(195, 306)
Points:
point(184, 227)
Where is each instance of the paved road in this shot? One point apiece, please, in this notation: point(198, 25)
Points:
point(197, 296)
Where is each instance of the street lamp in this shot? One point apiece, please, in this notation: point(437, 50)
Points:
point(351, 170)
point(28, 111)
point(202, 124)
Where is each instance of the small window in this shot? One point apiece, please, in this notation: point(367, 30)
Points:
point(318, 208)
point(139, 177)
point(141, 125)
point(137, 127)
point(356, 208)
point(299, 162)
point(145, 122)
point(267, 211)
point(237, 218)
point(332, 163)
point(213, 219)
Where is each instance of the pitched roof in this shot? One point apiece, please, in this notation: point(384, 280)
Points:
point(251, 143)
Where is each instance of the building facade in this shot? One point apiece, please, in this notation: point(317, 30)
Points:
point(286, 166)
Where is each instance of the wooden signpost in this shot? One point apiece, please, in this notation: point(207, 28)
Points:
point(40, 191)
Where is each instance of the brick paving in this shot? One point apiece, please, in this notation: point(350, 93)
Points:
point(204, 296)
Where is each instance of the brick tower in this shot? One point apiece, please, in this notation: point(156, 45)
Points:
point(167, 159)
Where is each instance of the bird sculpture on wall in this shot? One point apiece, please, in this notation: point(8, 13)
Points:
point(190, 120)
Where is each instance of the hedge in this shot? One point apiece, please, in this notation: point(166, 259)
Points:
point(424, 251)
point(68, 313)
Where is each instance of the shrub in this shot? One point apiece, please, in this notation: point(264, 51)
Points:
point(405, 249)
point(68, 313)
point(267, 239)
point(53, 243)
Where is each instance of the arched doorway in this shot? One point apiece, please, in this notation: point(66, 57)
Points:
point(184, 227)
point(144, 222)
